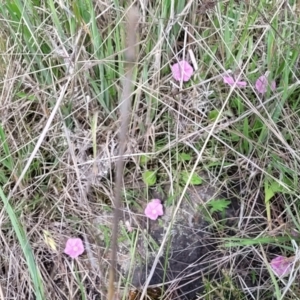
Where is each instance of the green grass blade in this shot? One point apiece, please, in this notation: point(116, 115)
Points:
point(27, 250)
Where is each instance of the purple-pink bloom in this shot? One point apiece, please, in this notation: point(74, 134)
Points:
point(281, 266)
point(182, 71)
point(74, 247)
point(262, 83)
point(231, 81)
point(154, 209)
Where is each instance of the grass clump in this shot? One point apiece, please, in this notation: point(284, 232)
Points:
point(62, 66)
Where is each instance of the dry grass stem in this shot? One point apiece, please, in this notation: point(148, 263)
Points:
point(125, 103)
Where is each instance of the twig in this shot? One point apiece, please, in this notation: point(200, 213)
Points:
point(125, 101)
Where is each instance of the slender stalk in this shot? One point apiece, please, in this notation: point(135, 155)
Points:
point(125, 101)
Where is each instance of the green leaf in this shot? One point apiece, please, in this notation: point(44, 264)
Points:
point(271, 189)
point(269, 193)
point(213, 115)
point(149, 177)
point(195, 180)
point(144, 160)
point(184, 156)
point(218, 205)
point(25, 244)
point(238, 242)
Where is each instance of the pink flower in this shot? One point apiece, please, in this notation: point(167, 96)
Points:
point(74, 247)
point(281, 266)
point(154, 209)
point(262, 83)
point(231, 81)
point(182, 71)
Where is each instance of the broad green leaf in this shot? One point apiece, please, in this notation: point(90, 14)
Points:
point(195, 180)
point(184, 156)
point(212, 115)
point(149, 177)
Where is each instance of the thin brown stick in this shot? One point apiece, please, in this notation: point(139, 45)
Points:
point(125, 102)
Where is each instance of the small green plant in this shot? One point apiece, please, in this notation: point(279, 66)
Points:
point(214, 206)
point(195, 180)
point(149, 178)
point(271, 188)
point(184, 156)
point(218, 205)
point(212, 116)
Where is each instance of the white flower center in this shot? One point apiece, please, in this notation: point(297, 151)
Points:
point(75, 248)
point(154, 211)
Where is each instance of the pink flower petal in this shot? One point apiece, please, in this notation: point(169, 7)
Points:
point(182, 71)
point(74, 247)
point(154, 209)
point(281, 266)
point(230, 81)
point(241, 83)
point(261, 84)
